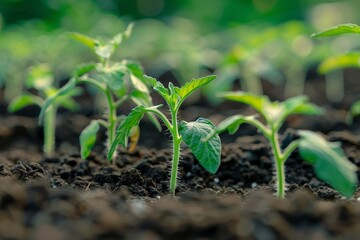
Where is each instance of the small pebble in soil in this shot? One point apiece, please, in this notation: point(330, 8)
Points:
point(138, 207)
point(158, 197)
point(358, 199)
point(254, 185)
point(188, 174)
point(216, 180)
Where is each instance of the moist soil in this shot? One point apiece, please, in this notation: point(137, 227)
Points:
point(64, 197)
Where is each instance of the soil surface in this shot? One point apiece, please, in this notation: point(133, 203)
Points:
point(64, 197)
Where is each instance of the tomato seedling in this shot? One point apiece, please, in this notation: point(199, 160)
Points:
point(191, 133)
point(328, 159)
point(118, 82)
point(41, 79)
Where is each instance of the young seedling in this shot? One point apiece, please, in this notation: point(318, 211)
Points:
point(191, 133)
point(328, 159)
point(41, 79)
point(118, 82)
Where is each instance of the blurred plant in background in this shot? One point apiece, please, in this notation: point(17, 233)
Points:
point(248, 41)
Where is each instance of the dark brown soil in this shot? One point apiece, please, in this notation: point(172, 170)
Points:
point(64, 197)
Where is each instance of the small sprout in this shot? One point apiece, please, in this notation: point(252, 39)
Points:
point(118, 81)
point(41, 79)
point(328, 159)
point(191, 133)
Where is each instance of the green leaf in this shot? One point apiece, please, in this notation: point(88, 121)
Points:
point(119, 38)
point(115, 77)
point(207, 153)
point(338, 30)
point(40, 77)
point(137, 76)
point(253, 100)
point(191, 86)
point(138, 84)
point(230, 124)
point(144, 99)
point(301, 105)
point(88, 138)
point(124, 130)
point(329, 162)
point(84, 40)
point(65, 90)
point(83, 69)
point(339, 62)
point(158, 87)
point(23, 101)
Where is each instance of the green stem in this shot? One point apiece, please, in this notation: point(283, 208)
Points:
point(112, 120)
point(279, 164)
point(176, 152)
point(49, 130)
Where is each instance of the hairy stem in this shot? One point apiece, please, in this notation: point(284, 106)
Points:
point(176, 152)
point(49, 130)
point(112, 121)
point(279, 164)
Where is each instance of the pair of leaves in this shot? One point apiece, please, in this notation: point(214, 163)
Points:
point(174, 96)
point(274, 113)
point(329, 162)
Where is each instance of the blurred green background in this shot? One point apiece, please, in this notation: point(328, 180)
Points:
point(244, 40)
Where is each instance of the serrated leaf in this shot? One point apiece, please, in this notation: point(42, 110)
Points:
point(191, 86)
point(329, 162)
point(40, 77)
point(338, 30)
point(124, 130)
point(66, 89)
point(207, 153)
point(23, 101)
point(255, 101)
point(88, 138)
point(339, 62)
point(84, 40)
point(152, 81)
point(230, 124)
point(158, 87)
